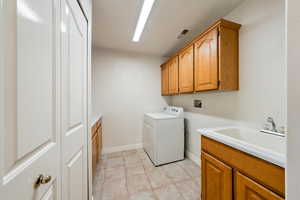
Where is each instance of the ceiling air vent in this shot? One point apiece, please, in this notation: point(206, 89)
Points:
point(183, 33)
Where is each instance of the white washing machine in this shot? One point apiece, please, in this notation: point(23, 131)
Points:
point(163, 135)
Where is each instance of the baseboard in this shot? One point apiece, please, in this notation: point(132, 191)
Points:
point(193, 157)
point(121, 148)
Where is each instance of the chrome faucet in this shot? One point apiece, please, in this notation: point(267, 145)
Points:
point(273, 131)
point(271, 121)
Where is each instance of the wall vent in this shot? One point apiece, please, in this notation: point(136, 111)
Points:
point(183, 33)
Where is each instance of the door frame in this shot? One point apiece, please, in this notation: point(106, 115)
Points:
point(2, 65)
point(292, 31)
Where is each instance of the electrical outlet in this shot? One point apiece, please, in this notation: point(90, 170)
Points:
point(197, 103)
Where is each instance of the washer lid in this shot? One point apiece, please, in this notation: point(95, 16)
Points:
point(160, 116)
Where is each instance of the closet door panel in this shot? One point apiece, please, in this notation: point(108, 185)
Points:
point(29, 100)
point(74, 101)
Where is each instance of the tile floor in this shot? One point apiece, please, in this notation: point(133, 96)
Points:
point(130, 175)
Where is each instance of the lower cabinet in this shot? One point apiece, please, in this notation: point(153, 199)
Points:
point(216, 179)
point(229, 174)
point(96, 145)
point(94, 155)
point(247, 189)
point(99, 145)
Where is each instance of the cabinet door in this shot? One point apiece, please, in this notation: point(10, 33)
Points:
point(165, 79)
point(216, 179)
point(206, 62)
point(97, 147)
point(173, 76)
point(186, 70)
point(100, 140)
point(94, 155)
point(247, 189)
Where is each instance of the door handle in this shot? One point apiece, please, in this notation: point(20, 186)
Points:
point(41, 179)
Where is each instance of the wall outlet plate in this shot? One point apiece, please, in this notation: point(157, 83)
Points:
point(197, 103)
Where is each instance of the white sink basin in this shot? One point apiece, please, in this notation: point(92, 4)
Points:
point(265, 146)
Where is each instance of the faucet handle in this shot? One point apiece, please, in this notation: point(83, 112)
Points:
point(282, 130)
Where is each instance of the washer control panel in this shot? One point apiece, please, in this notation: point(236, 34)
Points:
point(172, 110)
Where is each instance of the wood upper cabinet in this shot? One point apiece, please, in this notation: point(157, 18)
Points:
point(173, 76)
point(247, 189)
point(216, 179)
point(209, 62)
point(228, 57)
point(186, 70)
point(165, 79)
point(206, 62)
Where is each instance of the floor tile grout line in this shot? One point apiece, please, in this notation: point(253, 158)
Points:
point(146, 174)
point(189, 174)
point(126, 181)
point(184, 170)
point(180, 191)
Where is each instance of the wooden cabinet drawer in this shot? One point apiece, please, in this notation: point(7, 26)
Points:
point(247, 189)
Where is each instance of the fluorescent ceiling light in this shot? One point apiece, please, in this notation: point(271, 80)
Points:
point(147, 6)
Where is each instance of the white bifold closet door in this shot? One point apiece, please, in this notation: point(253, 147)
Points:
point(74, 101)
point(30, 100)
point(43, 100)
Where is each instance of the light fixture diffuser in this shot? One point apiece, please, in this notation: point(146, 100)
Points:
point(146, 9)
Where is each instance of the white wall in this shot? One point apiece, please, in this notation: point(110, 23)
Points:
point(262, 75)
point(125, 85)
point(293, 81)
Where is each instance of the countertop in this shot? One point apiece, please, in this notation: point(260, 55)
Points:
point(267, 147)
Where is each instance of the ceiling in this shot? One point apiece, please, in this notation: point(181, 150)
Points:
point(115, 22)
